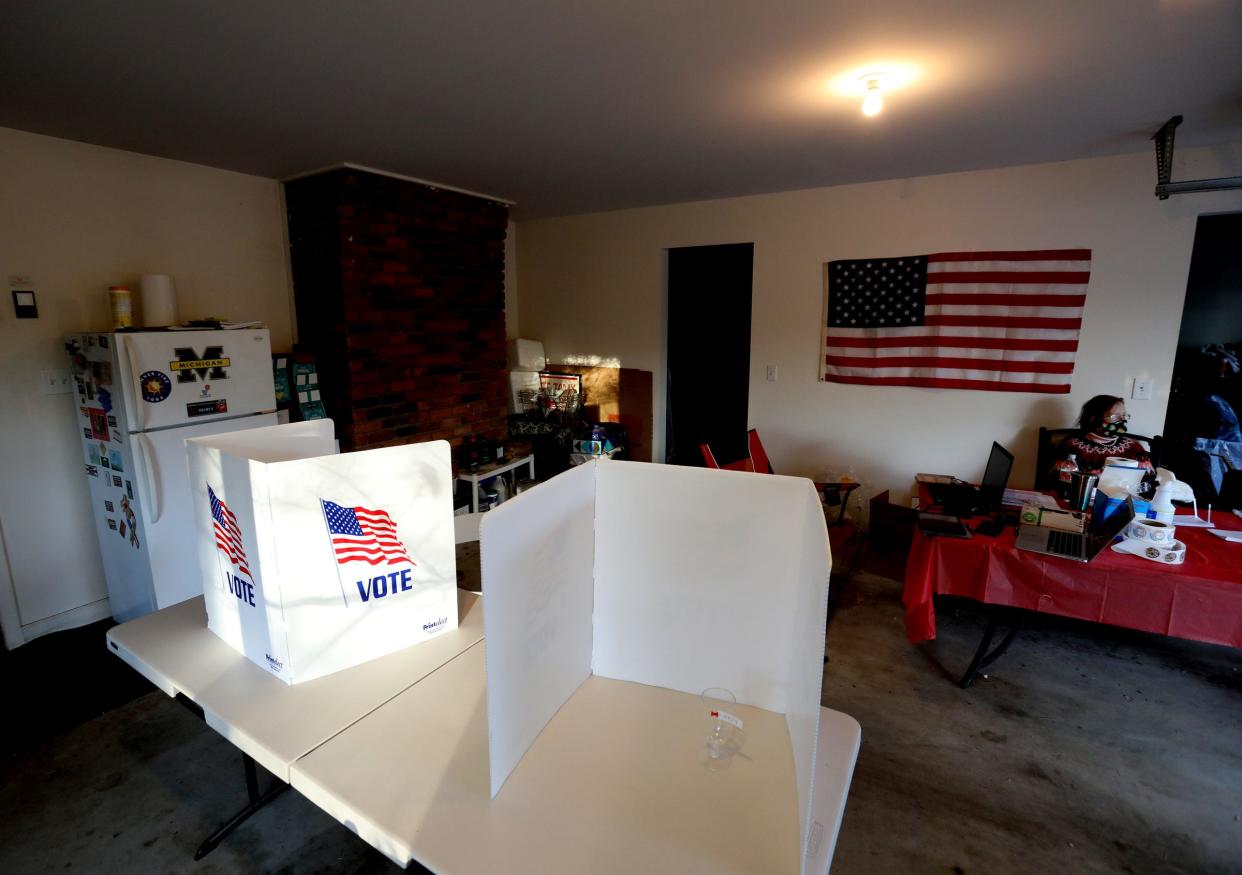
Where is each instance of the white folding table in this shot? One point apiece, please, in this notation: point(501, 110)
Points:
point(396, 749)
point(271, 722)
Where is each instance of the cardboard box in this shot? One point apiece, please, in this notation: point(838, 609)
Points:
point(674, 577)
point(620, 395)
point(526, 355)
point(314, 562)
point(1049, 518)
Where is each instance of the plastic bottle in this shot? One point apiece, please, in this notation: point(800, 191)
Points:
point(1161, 507)
point(1064, 474)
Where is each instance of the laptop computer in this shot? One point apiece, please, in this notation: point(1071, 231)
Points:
point(963, 499)
point(1079, 546)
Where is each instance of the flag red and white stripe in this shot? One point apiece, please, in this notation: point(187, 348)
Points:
point(1004, 321)
point(228, 534)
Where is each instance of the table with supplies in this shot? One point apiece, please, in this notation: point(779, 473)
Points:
point(496, 469)
point(396, 749)
point(1200, 599)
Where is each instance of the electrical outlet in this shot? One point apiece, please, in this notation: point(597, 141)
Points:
point(56, 381)
point(1142, 390)
point(771, 373)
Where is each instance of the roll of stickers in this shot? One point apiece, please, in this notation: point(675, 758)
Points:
point(1150, 532)
point(1167, 554)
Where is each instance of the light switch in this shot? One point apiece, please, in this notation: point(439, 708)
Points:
point(1142, 390)
point(771, 373)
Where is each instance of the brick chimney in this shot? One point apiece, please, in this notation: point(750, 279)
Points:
point(400, 293)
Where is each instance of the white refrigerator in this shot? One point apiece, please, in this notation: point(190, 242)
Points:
point(140, 396)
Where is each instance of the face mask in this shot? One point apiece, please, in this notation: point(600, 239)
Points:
point(1112, 428)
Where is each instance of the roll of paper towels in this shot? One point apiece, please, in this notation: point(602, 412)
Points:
point(159, 300)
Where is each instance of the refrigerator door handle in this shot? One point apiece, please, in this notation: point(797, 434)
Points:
point(135, 382)
point(151, 495)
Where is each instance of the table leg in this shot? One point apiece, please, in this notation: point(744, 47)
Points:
point(474, 496)
point(982, 657)
point(257, 801)
point(531, 465)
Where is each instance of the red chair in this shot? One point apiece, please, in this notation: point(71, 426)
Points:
point(834, 496)
point(843, 535)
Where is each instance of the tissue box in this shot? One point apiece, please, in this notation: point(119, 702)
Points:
point(1105, 506)
point(1049, 518)
point(313, 562)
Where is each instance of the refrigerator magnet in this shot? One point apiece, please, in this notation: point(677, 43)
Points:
point(86, 433)
point(121, 528)
point(112, 421)
point(114, 459)
point(112, 524)
point(129, 490)
point(156, 386)
point(116, 481)
point(93, 452)
point(92, 471)
point(99, 423)
point(108, 506)
point(206, 408)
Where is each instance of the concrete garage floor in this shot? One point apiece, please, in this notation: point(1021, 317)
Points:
point(1087, 750)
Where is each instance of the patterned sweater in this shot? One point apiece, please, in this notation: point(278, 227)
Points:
point(1091, 455)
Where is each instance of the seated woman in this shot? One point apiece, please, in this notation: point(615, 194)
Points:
point(1101, 435)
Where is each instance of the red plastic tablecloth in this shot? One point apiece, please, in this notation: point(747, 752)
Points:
point(1200, 599)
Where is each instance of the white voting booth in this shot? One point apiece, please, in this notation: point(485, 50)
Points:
point(314, 562)
point(666, 576)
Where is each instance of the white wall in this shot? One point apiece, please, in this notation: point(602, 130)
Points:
point(595, 284)
point(77, 218)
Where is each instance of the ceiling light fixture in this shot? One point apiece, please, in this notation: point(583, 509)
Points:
point(873, 102)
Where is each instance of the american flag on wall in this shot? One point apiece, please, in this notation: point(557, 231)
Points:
point(1002, 321)
point(228, 535)
point(362, 535)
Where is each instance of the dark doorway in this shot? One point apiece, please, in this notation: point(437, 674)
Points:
point(1202, 435)
point(708, 388)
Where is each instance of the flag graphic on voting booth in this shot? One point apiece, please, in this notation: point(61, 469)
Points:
point(308, 557)
point(359, 534)
point(228, 535)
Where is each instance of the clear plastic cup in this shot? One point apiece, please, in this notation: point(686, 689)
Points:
point(725, 736)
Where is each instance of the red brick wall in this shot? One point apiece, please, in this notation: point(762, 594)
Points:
point(399, 291)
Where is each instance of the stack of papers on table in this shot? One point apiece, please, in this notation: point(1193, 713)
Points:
point(1020, 497)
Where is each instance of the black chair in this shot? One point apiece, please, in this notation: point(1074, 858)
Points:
point(1049, 450)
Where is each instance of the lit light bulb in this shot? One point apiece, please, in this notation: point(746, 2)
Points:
point(873, 102)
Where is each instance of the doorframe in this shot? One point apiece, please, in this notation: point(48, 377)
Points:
point(660, 392)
